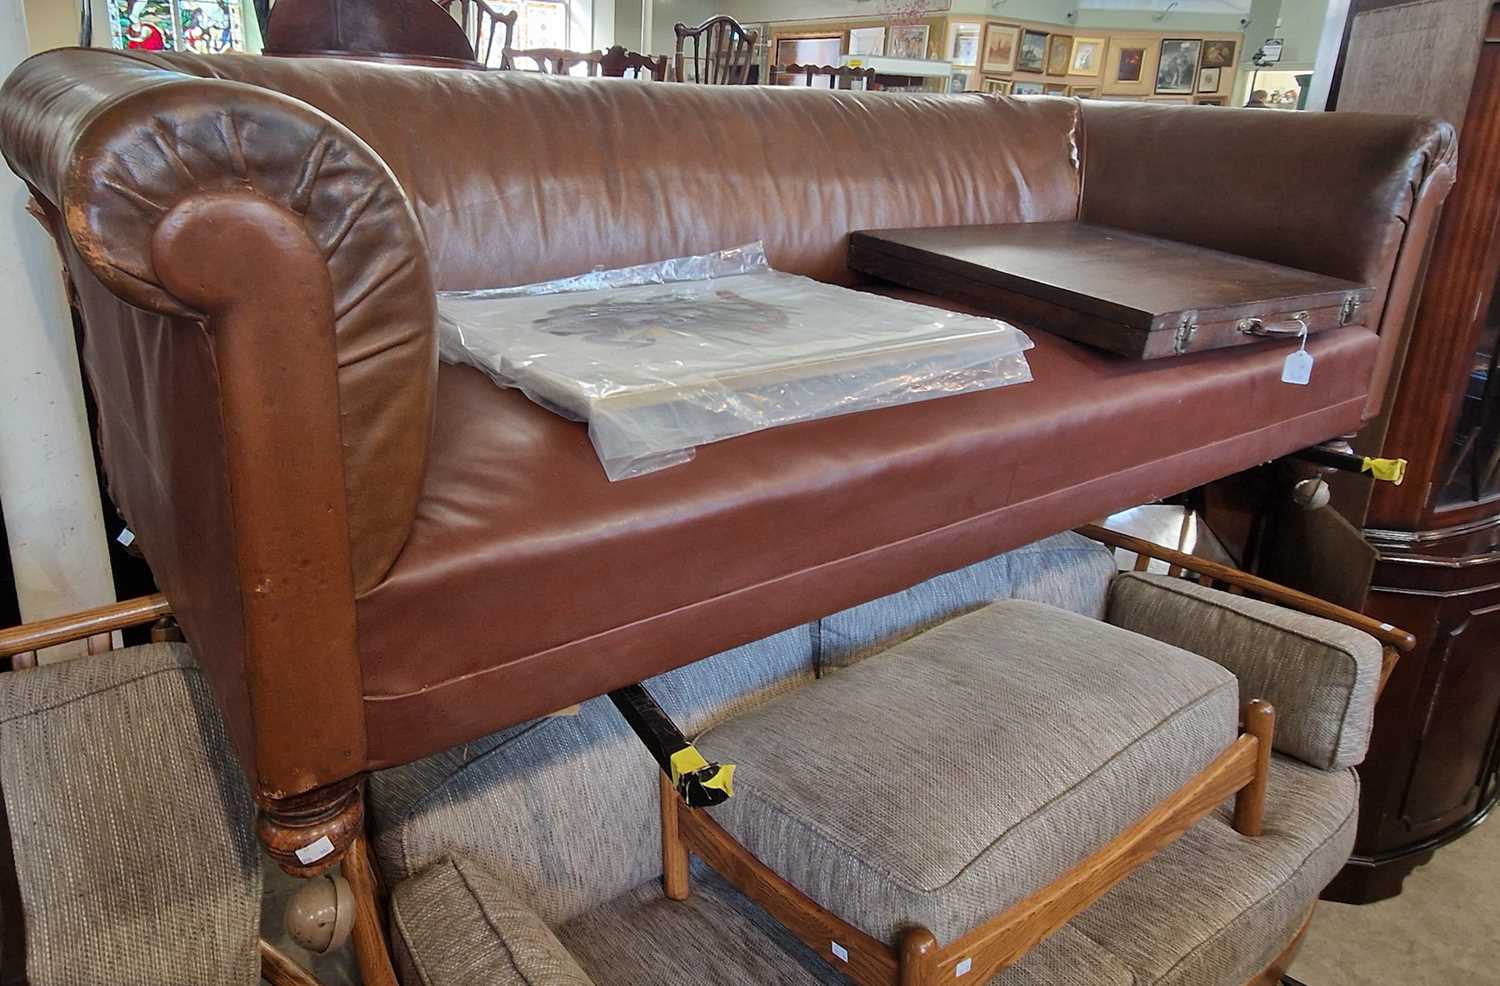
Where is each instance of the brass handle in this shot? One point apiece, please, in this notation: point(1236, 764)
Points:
point(1294, 326)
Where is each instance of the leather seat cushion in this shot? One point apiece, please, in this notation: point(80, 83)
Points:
point(1013, 742)
point(530, 581)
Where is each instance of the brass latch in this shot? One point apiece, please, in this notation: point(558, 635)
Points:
point(1186, 329)
point(1346, 313)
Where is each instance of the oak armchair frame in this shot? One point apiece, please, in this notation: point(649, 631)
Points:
point(918, 959)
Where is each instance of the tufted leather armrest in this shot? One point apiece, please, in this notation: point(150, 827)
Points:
point(254, 256)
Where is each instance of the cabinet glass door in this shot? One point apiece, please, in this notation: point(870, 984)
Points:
point(1472, 468)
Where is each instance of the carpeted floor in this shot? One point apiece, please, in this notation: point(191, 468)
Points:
point(1443, 930)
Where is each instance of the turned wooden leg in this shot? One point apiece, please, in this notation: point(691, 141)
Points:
point(309, 834)
point(1250, 803)
point(918, 955)
point(674, 852)
point(371, 950)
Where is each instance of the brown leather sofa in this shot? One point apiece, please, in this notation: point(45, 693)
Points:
point(376, 557)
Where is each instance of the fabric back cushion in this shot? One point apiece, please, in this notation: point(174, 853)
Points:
point(131, 823)
point(455, 924)
point(564, 809)
point(518, 177)
point(1321, 676)
point(1067, 570)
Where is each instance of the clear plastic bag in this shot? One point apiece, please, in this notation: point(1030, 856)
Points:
point(662, 358)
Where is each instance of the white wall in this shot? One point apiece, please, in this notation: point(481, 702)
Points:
point(47, 482)
point(665, 13)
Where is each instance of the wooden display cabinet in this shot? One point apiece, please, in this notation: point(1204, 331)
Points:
point(1431, 774)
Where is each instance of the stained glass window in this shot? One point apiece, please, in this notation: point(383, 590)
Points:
point(203, 26)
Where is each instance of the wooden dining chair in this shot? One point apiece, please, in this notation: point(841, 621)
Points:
point(723, 52)
point(482, 24)
point(551, 61)
point(839, 76)
point(617, 63)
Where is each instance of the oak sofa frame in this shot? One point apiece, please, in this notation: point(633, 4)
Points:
point(700, 834)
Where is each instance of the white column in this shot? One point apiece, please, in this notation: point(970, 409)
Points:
point(48, 486)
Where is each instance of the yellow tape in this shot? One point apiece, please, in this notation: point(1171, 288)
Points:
point(688, 760)
point(685, 761)
point(723, 780)
point(1390, 470)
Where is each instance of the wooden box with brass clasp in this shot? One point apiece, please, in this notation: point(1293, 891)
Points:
point(1126, 293)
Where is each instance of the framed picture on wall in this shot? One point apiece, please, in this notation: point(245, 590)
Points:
point(1054, 89)
point(1025, 88)
point(1208, 79)
point(908, 41)
point(960, 81)
point(1177, 66)
point(1059, 50)
point(1088, 56)
point(1000, 42)
point(965, 44)
point(1218, 54)
point(1032, 55)
point(1083, 92)
point(1209, 101)
point(867, 40)
point(1129, 65)
point(1001, 86)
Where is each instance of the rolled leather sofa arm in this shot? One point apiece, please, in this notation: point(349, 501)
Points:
point(258, 314)
point(131, 151)
point(1352, 195)
point(455, 924)
point(1322, 676)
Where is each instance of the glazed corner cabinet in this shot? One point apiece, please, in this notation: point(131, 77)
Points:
point(1432, 770)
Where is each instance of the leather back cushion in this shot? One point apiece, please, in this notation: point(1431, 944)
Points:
point(518, 177)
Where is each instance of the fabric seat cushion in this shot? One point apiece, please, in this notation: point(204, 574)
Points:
point(719, 936)
point(1215, 907)
point(529, 581)
point(1011, 743)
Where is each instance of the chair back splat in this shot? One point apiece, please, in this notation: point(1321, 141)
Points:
point(482, 24)
point(839, 76)
point(722, 51)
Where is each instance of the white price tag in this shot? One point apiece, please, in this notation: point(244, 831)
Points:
point(962, 969)
point(126, 537)
point(1297, 368)
point(840, 952)
point(310, 854)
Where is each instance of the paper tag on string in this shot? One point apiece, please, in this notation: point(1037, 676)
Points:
point(1298, 366)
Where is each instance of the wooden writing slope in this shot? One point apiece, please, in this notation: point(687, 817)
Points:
point(1124, 292)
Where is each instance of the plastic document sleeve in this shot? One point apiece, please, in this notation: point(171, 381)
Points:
point(662, 358)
